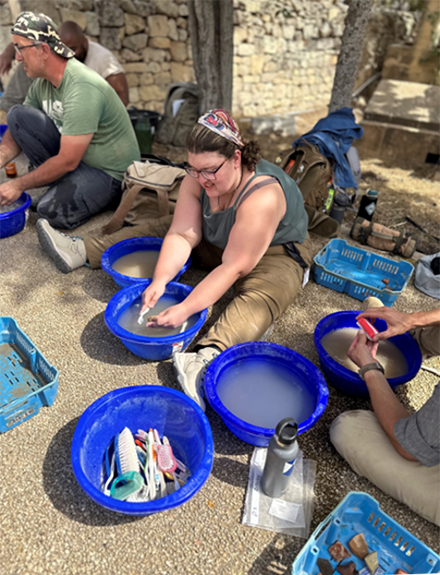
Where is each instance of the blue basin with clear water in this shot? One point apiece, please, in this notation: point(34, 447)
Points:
point(151, 348)
point(12, 222)
point(238, 358)
point(129, 246)
point(171, 412)
point(348, 381)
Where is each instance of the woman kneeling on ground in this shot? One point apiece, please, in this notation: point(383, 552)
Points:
point(242, 218)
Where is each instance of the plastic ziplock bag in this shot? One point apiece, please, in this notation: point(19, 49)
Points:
point(292, 512)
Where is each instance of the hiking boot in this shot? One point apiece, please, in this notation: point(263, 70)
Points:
point(191, 368)
point(68, 253)
point(371, 301)
point(383, 238)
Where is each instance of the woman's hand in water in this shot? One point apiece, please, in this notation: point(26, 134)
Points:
point(152, 294)
point(171, 317)
point(362, 350)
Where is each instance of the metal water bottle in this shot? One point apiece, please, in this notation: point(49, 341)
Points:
point(281, 456)
point(368, 205)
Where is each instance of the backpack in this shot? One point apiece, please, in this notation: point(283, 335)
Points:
point(181, 112)
point(150, 189)
point(312, 172)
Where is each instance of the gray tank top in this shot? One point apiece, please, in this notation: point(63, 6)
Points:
point(292, 228)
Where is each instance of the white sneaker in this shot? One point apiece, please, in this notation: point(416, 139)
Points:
point(191, 368)
point(67, 252)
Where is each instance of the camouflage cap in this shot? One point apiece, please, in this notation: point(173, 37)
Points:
point(41, 28)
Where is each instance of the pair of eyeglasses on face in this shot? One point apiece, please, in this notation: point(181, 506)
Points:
point(207, 174)
point(18, 48)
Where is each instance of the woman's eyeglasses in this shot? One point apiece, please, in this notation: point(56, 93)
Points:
point(207, 174)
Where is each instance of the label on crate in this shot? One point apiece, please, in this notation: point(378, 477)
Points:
point(16, 418)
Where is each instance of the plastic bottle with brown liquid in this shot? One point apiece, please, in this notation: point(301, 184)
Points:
point(11, 170)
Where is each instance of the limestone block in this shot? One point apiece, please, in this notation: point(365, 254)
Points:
point(5, 39)
point(250, 111)
point(165, 66)
point(75, 15)
point(268, 77)
point(172, 30)
point(135, 67)
point(288, 32)
point(132, 80)
point(6, 18)
point(182, 23)
point(135, 42)
point(183, 10)
point(270, 45)
point(299, 23)
point(249, 79)
point(180, 72)
point(179, 52)
point(110, 13)
point(334, 13)
point(167, 7)
point(308, 31)
point(143, 8)
point(257, 64)
point(245, 49)
point(133, 24)
point(130, 56)
point(325, 30)
point(270, 66)
point(82, 5)
point(153, 67)
point(152, 92)
point(163, 78)
point(128, 6)
point(281, 45)
point(92, 26)
point(158, 26)
point(44, 6)
point(240, 35)
point(146, 79)
point(182, 35)
point(159, 42)
point(133, 95)
point(152, 54)
point(110, 38)
point(337, 29)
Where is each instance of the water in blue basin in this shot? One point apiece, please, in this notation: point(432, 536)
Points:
point(262, 393)
point(129, 319)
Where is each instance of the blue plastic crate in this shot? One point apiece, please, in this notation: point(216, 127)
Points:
point(360, 513)
point(27, 380)
point(360, 273)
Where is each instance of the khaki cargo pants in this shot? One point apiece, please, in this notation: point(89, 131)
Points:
point(360, 439)
point(262, 296)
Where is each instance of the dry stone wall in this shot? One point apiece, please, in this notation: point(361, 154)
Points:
point(285, 51)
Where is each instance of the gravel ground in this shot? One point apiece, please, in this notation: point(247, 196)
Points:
point(48, 525)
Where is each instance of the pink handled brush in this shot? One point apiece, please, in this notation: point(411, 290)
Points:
point(167, 462)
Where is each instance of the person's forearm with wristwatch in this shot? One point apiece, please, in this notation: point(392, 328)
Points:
point(386, 406)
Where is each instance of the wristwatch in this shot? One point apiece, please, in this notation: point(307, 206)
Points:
point(369, 366)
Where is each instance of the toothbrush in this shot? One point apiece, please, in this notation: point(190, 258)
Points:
point(157, 447)
point(151, 465)
point(141, 316)
point(127, 465)
point(167, 462)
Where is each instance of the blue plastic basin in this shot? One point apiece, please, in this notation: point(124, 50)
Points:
point(13, 222)
point(348, 381)
point(129, 246)
point(301, 368)
point(3, 128)
point(152, 348)
point(140, 407)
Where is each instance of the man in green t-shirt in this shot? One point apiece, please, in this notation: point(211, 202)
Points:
point(73, 127)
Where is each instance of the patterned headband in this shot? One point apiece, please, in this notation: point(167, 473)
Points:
point(222, 124)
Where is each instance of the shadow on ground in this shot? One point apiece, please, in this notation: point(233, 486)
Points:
point(63, 490)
